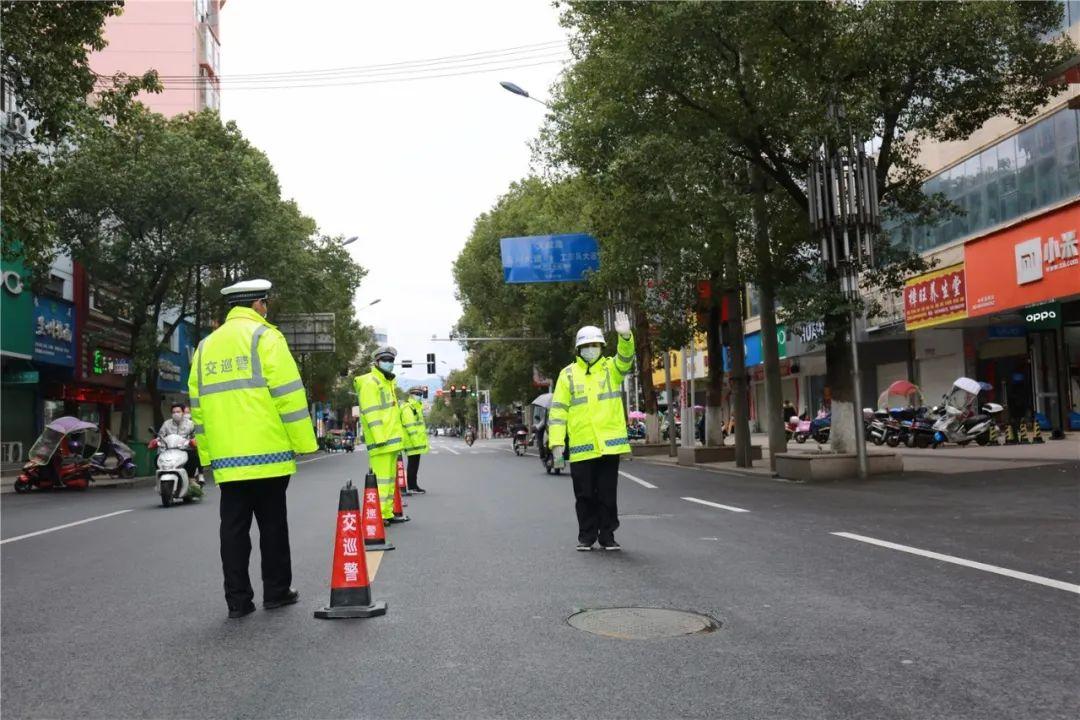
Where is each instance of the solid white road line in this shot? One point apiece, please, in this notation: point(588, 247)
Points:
point(732, 508)
point(638, 480)
point(452, 450)
point(61, 527)
point(1038, 579)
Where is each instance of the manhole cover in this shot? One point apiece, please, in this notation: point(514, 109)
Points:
point(633, 623)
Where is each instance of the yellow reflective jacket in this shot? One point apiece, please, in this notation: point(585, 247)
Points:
point(412, 420)
point(587, 406)
point(379, 413)
point(248, 401)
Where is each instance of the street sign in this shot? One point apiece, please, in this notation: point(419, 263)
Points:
point(406, 364)
point(549, 258)
point(22, 377)
point(308, 332)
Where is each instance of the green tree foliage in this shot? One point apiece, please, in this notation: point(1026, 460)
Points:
point(168, 211)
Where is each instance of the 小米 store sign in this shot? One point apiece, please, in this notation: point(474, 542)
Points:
point(1030, 263)
point(935, 297)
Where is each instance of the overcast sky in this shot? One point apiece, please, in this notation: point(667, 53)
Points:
point(406, 166)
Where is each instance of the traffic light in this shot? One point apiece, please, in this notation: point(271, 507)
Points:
point(431, 363)
point(406, 363)
point(464, 391)
point(425, 394)
point(453, 391)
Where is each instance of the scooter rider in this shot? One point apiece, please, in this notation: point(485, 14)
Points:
point(587, 406)
point(177, 424)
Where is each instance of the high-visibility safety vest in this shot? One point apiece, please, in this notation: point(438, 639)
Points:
point(380, 414)
point(587, 406)
point(412, 420)
point(248, 401)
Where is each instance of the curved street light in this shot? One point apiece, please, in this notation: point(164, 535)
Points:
point(518, 90)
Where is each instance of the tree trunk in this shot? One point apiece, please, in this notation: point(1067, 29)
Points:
point(741, 411)
point(152, 375)
point(714, 404)
point(770, 347)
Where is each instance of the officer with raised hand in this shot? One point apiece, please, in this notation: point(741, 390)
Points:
point(380, 417)
point(587, 406)
point(251, 420)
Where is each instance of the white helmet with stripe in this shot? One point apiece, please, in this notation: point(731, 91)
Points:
point(589, 335)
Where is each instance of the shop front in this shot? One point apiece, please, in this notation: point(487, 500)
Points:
point(1024, 284)
point(18, 376)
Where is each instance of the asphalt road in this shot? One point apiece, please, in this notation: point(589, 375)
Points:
point(123, 616)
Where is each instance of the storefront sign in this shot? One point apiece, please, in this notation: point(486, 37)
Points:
point(1029, 263)
point(54, 331)
point(25, 377)
point(752, 348)
point(1007, 331)
point(107, 363)
point(12, 282)
point(935, 297)
point(1043, 317)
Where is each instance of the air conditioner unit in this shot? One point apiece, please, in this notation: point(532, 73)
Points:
point(16, 123)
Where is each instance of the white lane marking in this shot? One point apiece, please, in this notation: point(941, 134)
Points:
point(452, 450)
point(638, 480)
point(732, 508)
point(433, 452)
point(61, 527)
point(1038, 579)
point(320, 457)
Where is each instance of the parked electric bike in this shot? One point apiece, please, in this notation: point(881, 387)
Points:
point(61, 456)
point(114, 458)
point(960, 420)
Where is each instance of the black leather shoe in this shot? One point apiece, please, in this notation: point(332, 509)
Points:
point(235, 613)
point(289, 598)
point(418, 490)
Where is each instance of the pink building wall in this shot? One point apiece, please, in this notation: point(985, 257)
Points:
point(163, 35)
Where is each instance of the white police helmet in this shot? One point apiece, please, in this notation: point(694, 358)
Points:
point(589, 335)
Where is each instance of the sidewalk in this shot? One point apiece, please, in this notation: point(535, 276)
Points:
point(972, 458)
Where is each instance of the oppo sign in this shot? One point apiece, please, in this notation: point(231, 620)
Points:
point(1043, 317)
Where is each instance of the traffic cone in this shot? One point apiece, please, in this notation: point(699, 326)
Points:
point(1023, 432)
point(399, 513)
point(374, 532)
point(350, 591)
point(402, 483)
point(1010, 435)
point(1036, 432)
point(993, 433)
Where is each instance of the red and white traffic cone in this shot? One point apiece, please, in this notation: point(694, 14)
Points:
point(399, 512)
point(402, 483)
point(350, 589)
point(374, 532)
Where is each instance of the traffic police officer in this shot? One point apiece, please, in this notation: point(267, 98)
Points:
point(380, 417)
point(416, 437)
point(587, 406)
point(251, 420)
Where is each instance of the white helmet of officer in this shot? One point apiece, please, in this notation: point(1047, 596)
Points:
point(589, 343)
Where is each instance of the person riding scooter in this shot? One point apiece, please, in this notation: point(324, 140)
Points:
point(178, 424)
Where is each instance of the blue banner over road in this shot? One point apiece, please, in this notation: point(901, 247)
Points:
point(549, 258)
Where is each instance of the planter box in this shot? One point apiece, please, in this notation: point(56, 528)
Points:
point(723, 453)
point(643, 449)
point(816, 467)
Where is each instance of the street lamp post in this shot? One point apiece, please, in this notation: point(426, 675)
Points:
point(518, 90)
point(844, 212)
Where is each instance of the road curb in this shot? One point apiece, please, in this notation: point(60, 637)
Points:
point(7, 487)
point(708, 468)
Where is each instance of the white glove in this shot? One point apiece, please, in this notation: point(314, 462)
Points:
point(622, 324)
point(558, 460)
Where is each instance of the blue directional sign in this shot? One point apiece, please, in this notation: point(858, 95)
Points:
point(549, 258)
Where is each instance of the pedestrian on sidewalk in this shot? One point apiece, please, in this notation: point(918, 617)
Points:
point(251, 420)
point(416, 437)
point(587, 406)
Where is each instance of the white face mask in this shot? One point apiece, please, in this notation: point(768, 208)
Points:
point(177, 417)
point(590, 354)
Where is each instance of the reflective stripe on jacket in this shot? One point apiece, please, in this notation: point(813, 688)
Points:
point(379, 413)
point(412, 421)
point(587, 406)
point(247, 401)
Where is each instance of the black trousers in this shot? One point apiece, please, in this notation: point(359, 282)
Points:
point(596, 486)
point(412, 467)
point(265, 499)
